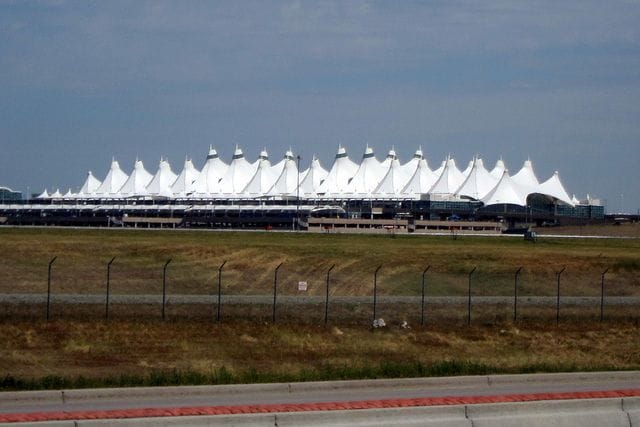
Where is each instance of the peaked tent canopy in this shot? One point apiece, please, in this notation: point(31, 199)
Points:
point(526, 180)
point(479, 182)
point(410, 167)
point(208, 182)
point(342, 170)
point(505, 192)
point(238, 174)
point(498, 169)
point(160, 185)
point(136, 184)
point(450, 179)
point(369, 174)
point(554, 188)
point(313, 177)
point(91, 184)
point(184, 183)
point(113, 182)
point(394, 180)
point(421, 181)
point(289, 177)
point(263, 178)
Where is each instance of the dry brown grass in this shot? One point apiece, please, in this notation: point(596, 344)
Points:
point(93, 349)
point(252, 257)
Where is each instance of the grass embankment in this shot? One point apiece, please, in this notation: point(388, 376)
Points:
point(126, 351)
point(252, 257)
point(66, 354)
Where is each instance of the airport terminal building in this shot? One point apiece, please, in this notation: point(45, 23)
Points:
point(265, 194)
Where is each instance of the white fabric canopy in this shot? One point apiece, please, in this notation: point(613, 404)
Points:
point(505, 192)
point(208, 182)
point(479, 182)
point(341, 172)
point(161, 182)
point(136, 184)
point(113, 182)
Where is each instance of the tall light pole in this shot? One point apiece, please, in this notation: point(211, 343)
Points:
point(298, 195)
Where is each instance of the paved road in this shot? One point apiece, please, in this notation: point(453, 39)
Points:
point(299, 393)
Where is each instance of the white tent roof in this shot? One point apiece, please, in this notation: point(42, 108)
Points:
point(438, 171)
point(56, 194)
point(554, 188)
point(526, 180)
point(113, 182)
point(238, 174)
point(185, 182)
point(313, 177)
point(43, 195)
point(449, 180)
point(161, 182)
point(479, 182)
point(91, 184)
point(498, 169)
point(467, 171)
point(421, 181)
point(208, 182)
point(342, 170)
point(278, 167)
point(505, 192)
point(68, 194)
point(411, 166)
point(394, 180)
point(288, 180)
point(263, 178)
point(137, 183)
point(368, 175)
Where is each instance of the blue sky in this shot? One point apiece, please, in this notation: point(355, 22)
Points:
point(558, 82)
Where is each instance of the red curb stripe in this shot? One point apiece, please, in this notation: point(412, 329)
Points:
point(303, 407)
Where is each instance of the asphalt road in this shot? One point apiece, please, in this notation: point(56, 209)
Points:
point(297, 393)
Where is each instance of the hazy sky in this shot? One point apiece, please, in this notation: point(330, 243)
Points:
point(558, 82)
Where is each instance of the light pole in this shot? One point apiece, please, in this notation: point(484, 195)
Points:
point(298, 195)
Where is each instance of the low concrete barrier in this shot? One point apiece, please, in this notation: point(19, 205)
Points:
point(582, 413)
point(579, 413)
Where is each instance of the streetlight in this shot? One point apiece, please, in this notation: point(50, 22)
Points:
point(298, 195)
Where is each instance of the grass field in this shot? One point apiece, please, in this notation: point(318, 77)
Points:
point(79, 350)
point(252, 257)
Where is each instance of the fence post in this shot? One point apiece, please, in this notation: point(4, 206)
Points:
point(326, 301)
point(422, 302)
point(164, 286)
point(469, 302)
point(275, 291)
point(49, 287)
point(106, 307)
point(558, 297)
point(375, 290)
point(219, 290)
point(515, 294)
point(602, 294)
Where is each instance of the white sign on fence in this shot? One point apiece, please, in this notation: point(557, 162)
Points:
point(302, 286)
